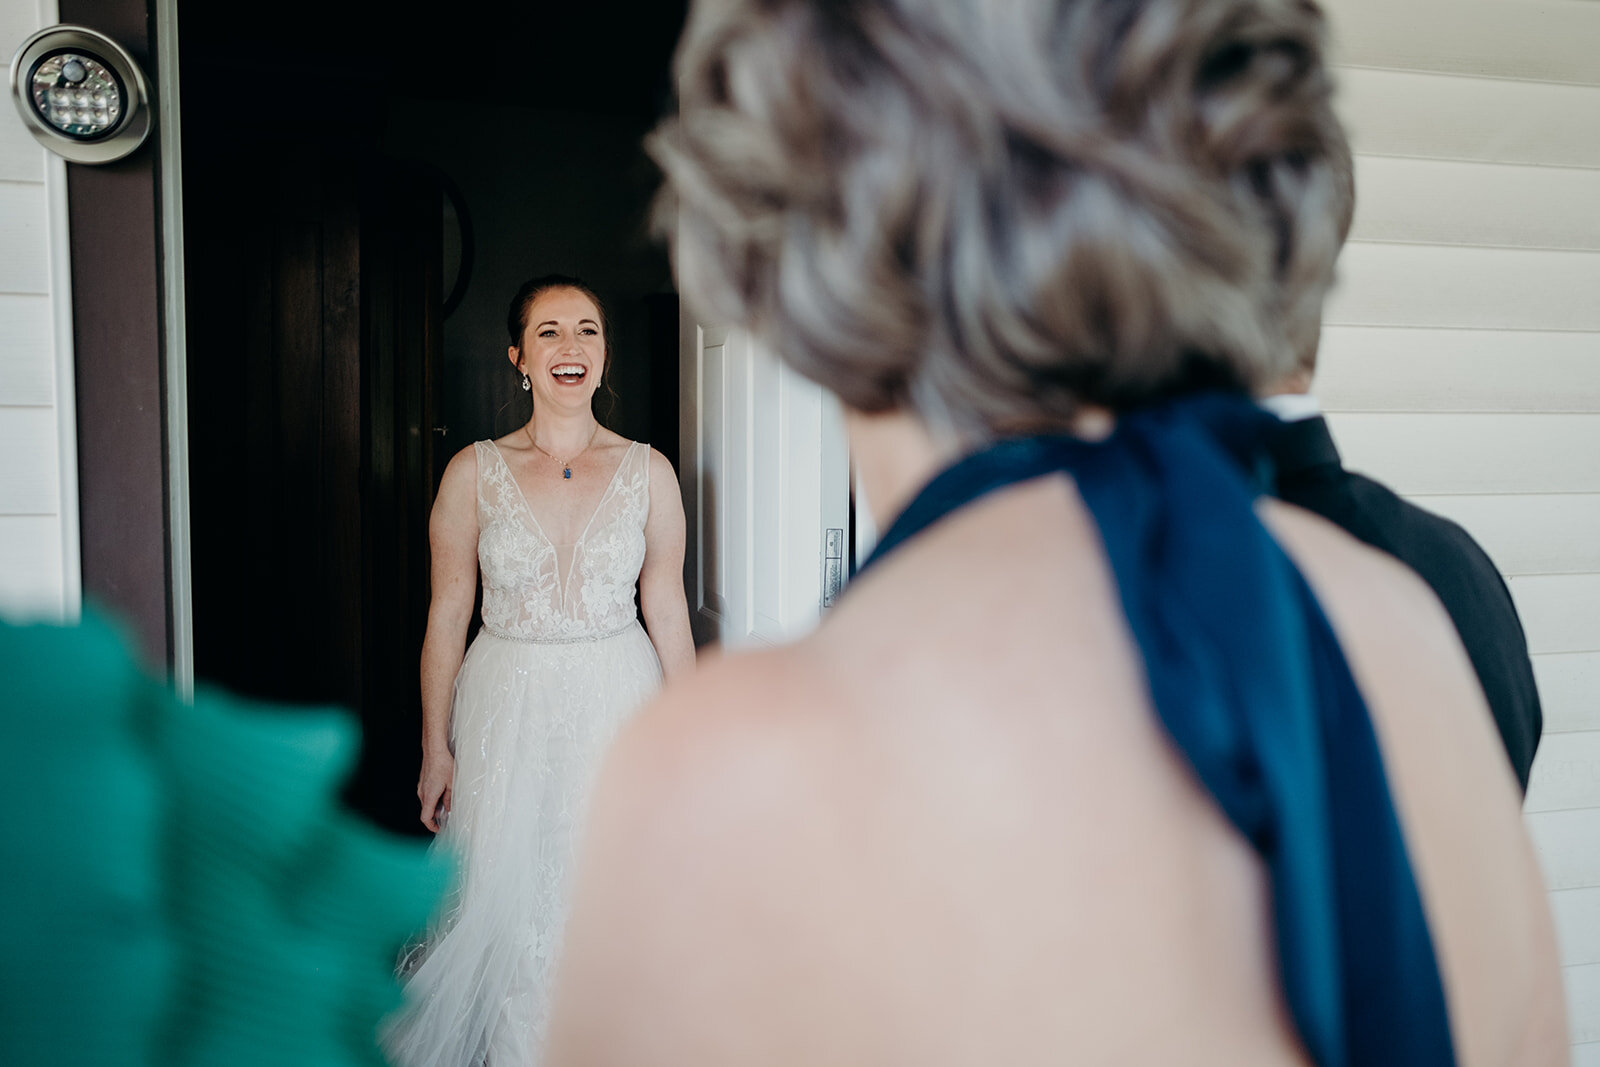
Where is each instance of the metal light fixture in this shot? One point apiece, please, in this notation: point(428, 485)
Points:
point(81, 94)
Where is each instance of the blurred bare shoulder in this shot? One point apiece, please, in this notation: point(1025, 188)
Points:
point(703, 734)
point(703, 829)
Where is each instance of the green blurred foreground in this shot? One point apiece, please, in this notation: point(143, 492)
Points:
point(181, 883)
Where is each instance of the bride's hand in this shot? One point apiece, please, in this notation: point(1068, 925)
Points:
point(433, 788)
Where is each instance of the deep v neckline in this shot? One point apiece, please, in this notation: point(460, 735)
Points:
point(605, 494)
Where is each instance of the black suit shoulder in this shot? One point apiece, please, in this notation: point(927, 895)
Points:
point(1459, 571)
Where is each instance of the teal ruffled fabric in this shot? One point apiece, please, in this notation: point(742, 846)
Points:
point(182, 885)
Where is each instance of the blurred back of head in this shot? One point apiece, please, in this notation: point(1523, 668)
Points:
point(994, 212)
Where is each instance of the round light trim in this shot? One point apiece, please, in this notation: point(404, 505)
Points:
point(81, 95)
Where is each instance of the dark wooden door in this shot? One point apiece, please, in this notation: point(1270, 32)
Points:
point(314, 331)
point(402, 334)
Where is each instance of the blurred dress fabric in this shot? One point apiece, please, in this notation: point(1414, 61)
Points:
point(559, 665)
point(182, 885)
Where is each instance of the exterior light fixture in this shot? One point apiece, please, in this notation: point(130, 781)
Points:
point(81, 94)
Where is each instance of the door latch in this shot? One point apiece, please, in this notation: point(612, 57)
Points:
point(832, 566)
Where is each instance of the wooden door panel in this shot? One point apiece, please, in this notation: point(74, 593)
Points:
point(313, 333)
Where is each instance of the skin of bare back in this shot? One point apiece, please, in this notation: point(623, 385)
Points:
point(947, 828)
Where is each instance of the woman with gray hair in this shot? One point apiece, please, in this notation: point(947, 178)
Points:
point(1103, 757)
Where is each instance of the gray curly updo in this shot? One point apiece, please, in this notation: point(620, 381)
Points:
point(993, 211)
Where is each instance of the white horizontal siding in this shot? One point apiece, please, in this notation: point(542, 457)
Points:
point(1429, 201)
point(1387, 368)
point(39, 562)
point(21, 157)
point(1539, 40)
point(27, 357)
point(1560, 613)
point(1566, 775)
point(1482, 288)
point(19, 18)
point(30, 567)
point(1583, 1001)
point(1529, 534)
point(1569, 690)
point(29, 478)
point(1461, 357)
point(1434, 116)
point(1577, 914)
point(1568, 846)
point(24, 235)
point(1457, 454)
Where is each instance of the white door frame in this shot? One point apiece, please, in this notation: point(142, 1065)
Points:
point(765, 478)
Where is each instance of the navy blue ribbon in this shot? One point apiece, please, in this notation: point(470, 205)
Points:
point(1250, 682)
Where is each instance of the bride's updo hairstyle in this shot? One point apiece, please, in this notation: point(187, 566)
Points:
point(993, 212)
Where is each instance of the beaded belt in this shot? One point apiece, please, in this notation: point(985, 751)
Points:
point(495, 632)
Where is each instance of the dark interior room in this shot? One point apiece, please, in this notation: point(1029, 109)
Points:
point(365, 186)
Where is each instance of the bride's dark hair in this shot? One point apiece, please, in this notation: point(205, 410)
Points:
point(994, 212)
point(534, 288)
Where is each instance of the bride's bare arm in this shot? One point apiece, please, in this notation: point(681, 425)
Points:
point(661, 597)
point(453, 546)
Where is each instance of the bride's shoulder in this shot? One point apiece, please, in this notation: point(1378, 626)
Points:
point(463, 466)
point(660, 467)
point(609, 448)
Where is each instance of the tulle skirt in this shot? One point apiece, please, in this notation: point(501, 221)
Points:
point(530, 724)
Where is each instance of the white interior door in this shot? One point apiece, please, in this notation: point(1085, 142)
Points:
point(766, 488)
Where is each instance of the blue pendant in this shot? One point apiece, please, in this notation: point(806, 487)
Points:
point(566, 472)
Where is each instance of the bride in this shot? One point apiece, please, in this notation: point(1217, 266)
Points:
point(563, 518)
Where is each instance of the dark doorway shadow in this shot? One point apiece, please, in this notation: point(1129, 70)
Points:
point(331, 154)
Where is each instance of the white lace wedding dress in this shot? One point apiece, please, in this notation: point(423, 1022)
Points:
point(560, 663)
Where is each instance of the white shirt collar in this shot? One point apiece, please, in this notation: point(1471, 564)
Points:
point(1292, 407)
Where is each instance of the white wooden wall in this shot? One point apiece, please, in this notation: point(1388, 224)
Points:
point(38, 454)
point(1461, 354)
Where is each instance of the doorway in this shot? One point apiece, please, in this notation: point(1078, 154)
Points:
point(364, 188)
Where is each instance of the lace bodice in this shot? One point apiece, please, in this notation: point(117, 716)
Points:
point(534, 590)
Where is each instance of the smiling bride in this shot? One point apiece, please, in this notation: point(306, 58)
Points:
point(563, 518)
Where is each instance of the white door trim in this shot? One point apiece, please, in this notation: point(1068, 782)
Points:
point(169, 168)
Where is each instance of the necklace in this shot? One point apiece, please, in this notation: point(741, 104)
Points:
point(566, 467)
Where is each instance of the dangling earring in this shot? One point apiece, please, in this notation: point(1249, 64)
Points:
point(526, 384)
